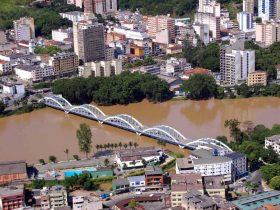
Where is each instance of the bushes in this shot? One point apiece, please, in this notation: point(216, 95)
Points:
point(121, 89)
point(136, 173)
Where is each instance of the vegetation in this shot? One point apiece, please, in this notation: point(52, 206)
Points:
point(66, 151)
point(146, 62)
point(136, 173)
point(50, 50)
point(203, 56)
point(46, 17)
point(76, 157)
point(84, 136)
point(52, 159)
point(121, 89)
point(133, 204)
point(169, 165)
point(42, 161)
point(200, 86)
point(42, 85)
point(270, 171)
point(100, 147)
point(275, 183)
point(2, 107)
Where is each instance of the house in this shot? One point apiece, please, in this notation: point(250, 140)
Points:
point(154, 178)
point(197, 201)
point(184, 166)
point(137, 183)
point(120, 185)
point(188, 73)
point(12, 171)
point(11, 197)
point(138, 157)
point(214, 185)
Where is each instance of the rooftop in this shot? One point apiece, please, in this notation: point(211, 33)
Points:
point(16, 167)
point(184, 163)
point(275, 138)
point(214, 182)
point(257, 201)
point(121, 181)
point(235, 155)
point(153, 170)
point(136, 178)
point(11, 191)
point(199, 200)
point(137, 153)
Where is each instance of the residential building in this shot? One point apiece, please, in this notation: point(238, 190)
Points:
point(268, 9)
point(248, 6)
point(174, 49)
point(184, 166)
point(77, 3)
point(109, 53)
point(16, 89)
point(267, 32)
point(120, 185)
point(175, 66)
point(101, 68)
point(246, 22)
point(12, 171)
point(236, 63)
point(258, 201)
point(24, 29)
point(86, 203)
point(202, 30)
point(5, 67)
point(159, 23)
point(273, 142)
point(57, 196)
point(138, 157)
point(60, 35)
point(197, 201)
point(102, 7)
point(74, 16)
point(154, 178)
point(89, 42)
point(150, 69)
point(137, 183)
point(183, 183)
point(11, 197)
point(257, 78)
point(212, 21)
point(3, 38)
point(34, 73)
point(189, 72)
point(239, 163)
point(214, 186)
point(64, 64)
point(209, 6)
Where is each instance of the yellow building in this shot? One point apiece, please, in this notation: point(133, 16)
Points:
point(257, 77)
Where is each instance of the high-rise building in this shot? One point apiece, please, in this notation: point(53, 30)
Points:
point(209, 6)
point(212, 21)
point(77, 3)
point(269, 9)
point(100, 6)
point(248, 6)
point(268, 32)
point(89, 43)
point(236, 63)
point(160, 23)
point(245, 20)
point(24, 29)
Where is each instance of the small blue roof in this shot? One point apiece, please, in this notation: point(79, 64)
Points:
point(136, 178)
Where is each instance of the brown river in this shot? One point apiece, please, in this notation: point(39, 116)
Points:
point(49, 132)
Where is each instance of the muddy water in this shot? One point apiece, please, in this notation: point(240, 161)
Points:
point(49, 132)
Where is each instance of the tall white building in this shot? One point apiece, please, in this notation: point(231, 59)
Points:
point(235, 64)
point(273, 142)
point(60, 35)
point(24, 29)
point(209, 6)
point(269, 9)
point(267, 32)
point(245, 20)
point(248, 6)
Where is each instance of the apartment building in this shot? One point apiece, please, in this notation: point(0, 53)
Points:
point(159, 23)
point(197, 201)
point(89, 42)
point(215, 186)
point(248, 6)
point(64, 64)
point(101, 68)
point(102, 7)
point(11, 197)
point(77, 3)
point(24, 29)
point(5, 67)
point(239, 163)
point(154, 178)
point(212, 21)
point(34, 73)
point(273, 142)
point(175, 66)
point(137, 183)
point(246, 22)
point(58, 196)
point(12, 171)
point(268, 9)
point(60, 35)
point(86, 203)
point(257, 78)
point(267, 32)
point(183, 183)
point(209, 6)
point(236, 63)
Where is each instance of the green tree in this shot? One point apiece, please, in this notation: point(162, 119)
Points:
point(106, 161)
point(270, 171)
point(235, 132)
point(2, 107)
point(133, 204)
point(52, 159)
point(135, 144)
point(42, 161)
point(125, 145)
point(84, 136)
point(120, 145)
point(130, 144)
point(76, 157)
point(200, 86)
point(275, 183)
point(66, 151)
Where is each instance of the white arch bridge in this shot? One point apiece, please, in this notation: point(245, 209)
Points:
point(127, 122)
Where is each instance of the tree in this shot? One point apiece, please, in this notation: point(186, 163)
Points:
point(76, 157)
point(66, 151)
point(135, 144)
point(270, 171)
point(97, 146)
point(133, 204)
point(52, 158)
point(248, 127)
point(120, 145)
point(200, 86)
point(222, 139)
point(130, 144)
point(42, 161)
point(84, 136)
point(235, 132)
point(2, 107)
point(275, 183)
point(125, 145)
point(116, 145)
point(106, 161)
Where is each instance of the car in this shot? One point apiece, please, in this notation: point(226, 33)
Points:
point(104, 195)
point(137, 192)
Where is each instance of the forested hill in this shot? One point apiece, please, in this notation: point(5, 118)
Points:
point(173, 7)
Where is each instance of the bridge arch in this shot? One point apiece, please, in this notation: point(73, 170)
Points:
point(171, 130)
point(131, 120)
point(83, 109)
point(47, 99)
point(159, 133)
point(119, 121)
point(94, 109)
point(209, 141)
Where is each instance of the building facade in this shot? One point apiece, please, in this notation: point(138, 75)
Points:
point(246, 22)
point(273, 142)
point(102, 7)
point(248, 6)
point(12, 171)
point(34, 73)
point(11, 197)
point(257, 78)
point(24, 29)
point(154, 178)
point(268, 9)
point(60, 35)
point(89, 42)
point(267, 32)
